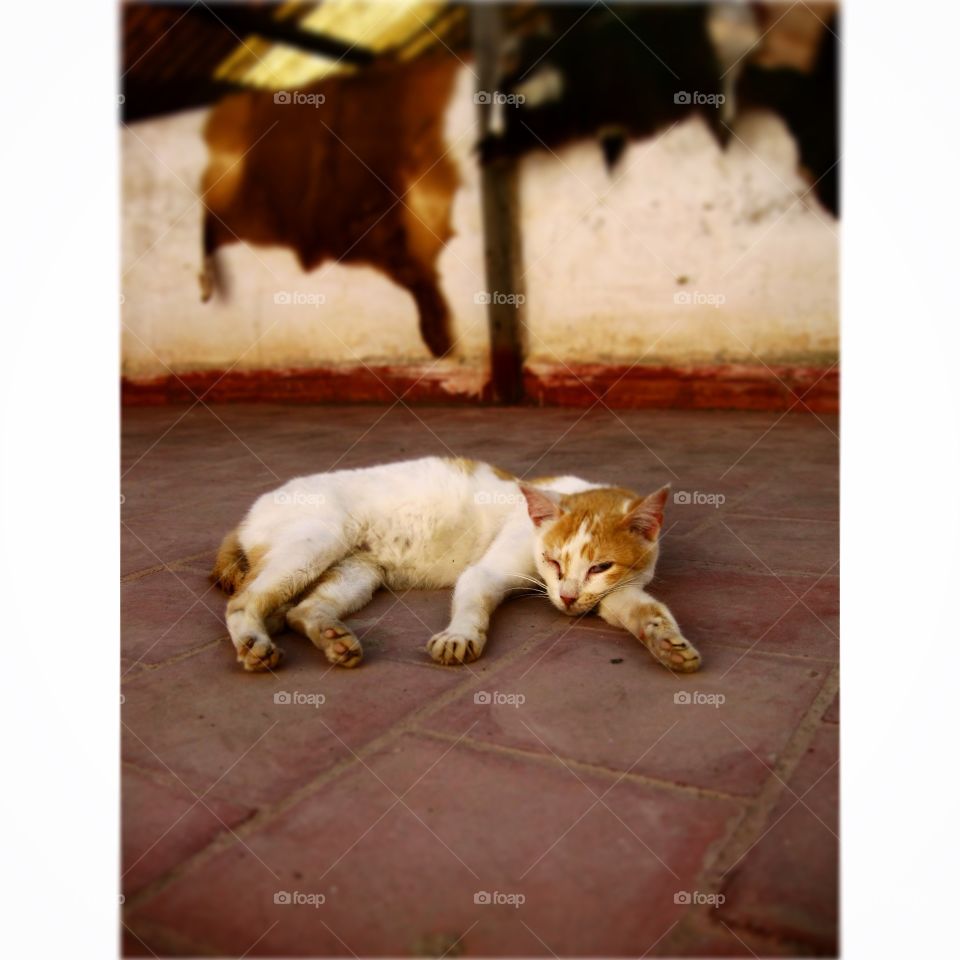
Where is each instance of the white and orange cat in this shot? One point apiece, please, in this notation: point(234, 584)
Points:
point(317, 549)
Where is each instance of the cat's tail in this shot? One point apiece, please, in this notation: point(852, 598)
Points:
point(231, 566)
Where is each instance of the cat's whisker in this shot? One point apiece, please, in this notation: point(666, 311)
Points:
point(629, 581)
point(522, 576)
point(536, 590)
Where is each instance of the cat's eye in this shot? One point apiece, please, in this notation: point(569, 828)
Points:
point(556, 564)
point(600, 567)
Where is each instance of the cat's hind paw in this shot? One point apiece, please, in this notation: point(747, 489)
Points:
point(258, 654)
point(340, 646)
point(451, 648)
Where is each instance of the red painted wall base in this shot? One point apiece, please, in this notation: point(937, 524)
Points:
point(696, 387)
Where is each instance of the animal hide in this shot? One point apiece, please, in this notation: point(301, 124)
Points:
point(352, 168)
point(626, 72)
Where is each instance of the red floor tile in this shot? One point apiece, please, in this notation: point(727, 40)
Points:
point(790, 615)
point(802, 493)
point(715, 938)
point(763, 545)
point(164, 824)
point(597, 696)
point(396, 875)
point(180, 531)
point(168, 613)
point(220, 729)
point(788, 883)
point(591, 694)
point(833, 711)
point(398, 625)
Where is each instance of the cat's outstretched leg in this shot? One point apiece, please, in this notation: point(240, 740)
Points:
point(652, 624)
point(345, 587)
point(479, 591)
point(283, 573)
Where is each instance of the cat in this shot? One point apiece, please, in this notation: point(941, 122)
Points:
point(315, 550)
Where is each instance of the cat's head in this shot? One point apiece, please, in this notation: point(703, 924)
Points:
point(589, 543)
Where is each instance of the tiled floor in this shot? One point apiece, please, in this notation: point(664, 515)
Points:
point(602, 805)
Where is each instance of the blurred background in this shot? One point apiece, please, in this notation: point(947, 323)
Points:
point(525, 202)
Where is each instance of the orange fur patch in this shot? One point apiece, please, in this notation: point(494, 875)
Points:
point(469, 467)
point(231, 567)
point(601, 515)
point(463, 464)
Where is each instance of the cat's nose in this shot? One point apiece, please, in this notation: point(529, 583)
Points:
point(568, 601)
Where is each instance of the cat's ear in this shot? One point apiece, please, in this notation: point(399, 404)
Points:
point(645, 516)
point(541, 504)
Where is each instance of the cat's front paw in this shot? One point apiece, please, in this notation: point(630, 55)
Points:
point(341, 647)
point(258, 654)
point(449, 647)
point(669, 646)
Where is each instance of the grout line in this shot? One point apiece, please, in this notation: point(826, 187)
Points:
point(712, 877)
point(702, 928)
point(261, 816)
point(778, 517)
point(813, 946)
point(158, 777)
point(186, 563)
point(176, 658)
point(167, 565)
point(130, 668)
point(270, 811)
point(607, 773)
point(145, 572)
point(792, 657)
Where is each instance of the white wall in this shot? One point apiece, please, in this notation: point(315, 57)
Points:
point(603, 257)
